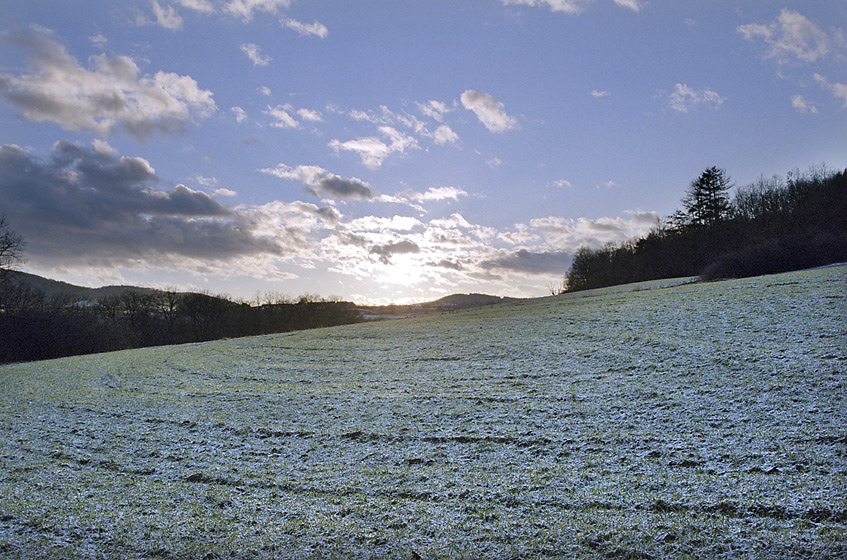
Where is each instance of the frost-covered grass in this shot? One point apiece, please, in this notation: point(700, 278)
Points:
point(694, 421)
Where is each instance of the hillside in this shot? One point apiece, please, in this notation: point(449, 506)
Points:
point(42, 318)
point(691, 421)
point(57, 289)
point(461, 301)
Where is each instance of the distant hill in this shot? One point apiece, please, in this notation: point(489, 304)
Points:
point(452, 302)
point(56, 288)
point(458, 301)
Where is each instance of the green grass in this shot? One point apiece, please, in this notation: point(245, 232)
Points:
point(693, 421)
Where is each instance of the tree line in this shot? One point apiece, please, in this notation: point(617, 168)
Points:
point(35, 326)
point(770, 226)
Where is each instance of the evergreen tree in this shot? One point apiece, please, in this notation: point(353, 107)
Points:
point(706, 202)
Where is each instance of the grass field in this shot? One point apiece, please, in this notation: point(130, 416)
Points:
point(691, 421)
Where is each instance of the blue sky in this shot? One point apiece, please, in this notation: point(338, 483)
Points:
point(391, 151)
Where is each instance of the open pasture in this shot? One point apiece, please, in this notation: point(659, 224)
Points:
point(693, 421)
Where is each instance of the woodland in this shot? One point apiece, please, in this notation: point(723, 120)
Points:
point(770, 226)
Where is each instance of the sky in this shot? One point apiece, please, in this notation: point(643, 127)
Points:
point(391, 151)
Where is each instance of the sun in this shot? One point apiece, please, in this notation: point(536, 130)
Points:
point(402, 270)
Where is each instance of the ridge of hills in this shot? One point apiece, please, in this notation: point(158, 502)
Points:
point(57, 288)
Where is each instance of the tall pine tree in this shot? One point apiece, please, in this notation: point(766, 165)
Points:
point(706, 202)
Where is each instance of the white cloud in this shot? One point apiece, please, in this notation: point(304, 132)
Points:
point(254, 53)
point(439, 193)
point(790, 36)
point(112, 94)
point(489, 111)
point(372, 150)
point(494, 162)
point(205, 181)
point(599, 93)
point(562, 183)
point(358, 115)
point(202, 6)
point(264, 90)
point(390, 225)
point(565, 6)
point(416, 199)
point(167, 17)
point(99, 41)
point(634, 5)
point(434, 109)
point(281, 116)
point(102, 147)
point(573, 6)
point(224, 192)
point(309, 115)
point(838, 90)
point(240, 114)
point(684, 98)
point(802, 106)
point(445, 135)
point(569, 233)
point(316, 28)
point(385, 116)
point(400, 141)
point(245, 9)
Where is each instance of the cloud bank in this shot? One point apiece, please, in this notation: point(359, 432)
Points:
point(90, 204)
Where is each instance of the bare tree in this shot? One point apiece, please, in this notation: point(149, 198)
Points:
point(11, 253)
point(11, 246)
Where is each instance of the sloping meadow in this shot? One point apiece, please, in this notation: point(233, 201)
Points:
point(691, 421)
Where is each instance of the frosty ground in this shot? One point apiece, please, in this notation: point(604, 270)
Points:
point(686, 421)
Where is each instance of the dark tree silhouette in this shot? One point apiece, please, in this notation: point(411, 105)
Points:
point(11, 246)
point(11, 253)
point(770, 226)
point(706, 201)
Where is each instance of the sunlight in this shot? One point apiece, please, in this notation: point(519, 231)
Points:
point(403, 270)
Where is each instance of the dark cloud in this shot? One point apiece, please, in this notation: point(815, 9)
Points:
point(386, 251)
point(82, 203)
point(320, 182)
point(328, 214)
point(335, 186)
point(444, 263)
point(556, 262)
